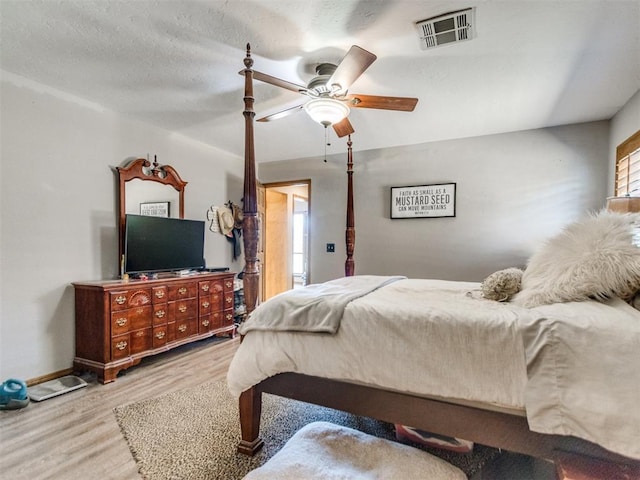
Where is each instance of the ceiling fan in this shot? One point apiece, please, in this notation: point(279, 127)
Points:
point(329, 101)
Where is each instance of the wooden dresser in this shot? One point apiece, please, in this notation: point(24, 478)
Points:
point(119, 323)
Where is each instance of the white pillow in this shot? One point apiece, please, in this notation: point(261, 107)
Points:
point(593, 258)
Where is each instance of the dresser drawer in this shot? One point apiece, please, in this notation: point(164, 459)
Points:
point(210, 303)
point(228, 300)
point(132, 319)
point(159, 336)
point(216, 301)
point(119, 323)
point(204, 304)
point(185, 309)
point(227, 318)
point(120, 347)
point(122, 300)
point(216, 320)
point(210, 286)
point(160, 313)
point(140, 340)
point(139, 317)
point(182, 291)
point(186, 328)
point(159, 294)
point(205, 324)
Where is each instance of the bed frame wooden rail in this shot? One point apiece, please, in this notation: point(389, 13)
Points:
point(487, 427)
point(496, 429)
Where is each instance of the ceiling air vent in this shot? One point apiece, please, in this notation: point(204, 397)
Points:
point(451, 27)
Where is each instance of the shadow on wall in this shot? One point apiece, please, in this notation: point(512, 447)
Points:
point(58, 306)
point(104, 238)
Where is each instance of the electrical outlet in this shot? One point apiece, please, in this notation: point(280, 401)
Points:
point(331, 247)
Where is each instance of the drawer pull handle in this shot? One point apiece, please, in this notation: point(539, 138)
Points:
point(160, 313)
point(205, 304)
point(228, 284)
point(182, 308)
point(160, 335)
point(121, 322)
point(159, 293)
point(205, 287)
point(205, 323)
point(228, 299)
point(229, 316)
point(182, 328)
point(121, 345)
point(140, 333)
point(182, 291)
point(120, 299)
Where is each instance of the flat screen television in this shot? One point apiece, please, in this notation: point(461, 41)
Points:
point(158, 244)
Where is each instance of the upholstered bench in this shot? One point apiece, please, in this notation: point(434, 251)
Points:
point(325, 451)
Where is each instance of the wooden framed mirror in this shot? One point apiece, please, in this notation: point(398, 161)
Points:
point(141, 183)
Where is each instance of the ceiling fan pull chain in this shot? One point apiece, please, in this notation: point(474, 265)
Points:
point(326, 142)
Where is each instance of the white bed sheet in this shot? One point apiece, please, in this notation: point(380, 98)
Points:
point(428, 337)
point(583, 368)
point(572, 368)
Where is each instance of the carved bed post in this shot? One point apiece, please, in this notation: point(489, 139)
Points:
point(349, 266)
point(250, 222)
point(250, 404)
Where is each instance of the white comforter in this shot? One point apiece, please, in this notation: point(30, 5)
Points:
point(574, 366)
point(422, 336)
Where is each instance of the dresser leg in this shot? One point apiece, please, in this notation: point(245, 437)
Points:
point(104, 372)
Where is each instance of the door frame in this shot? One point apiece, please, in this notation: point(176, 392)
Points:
point(279, 185)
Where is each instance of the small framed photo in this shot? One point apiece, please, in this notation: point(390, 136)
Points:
point(155, 209)
point(424, 201)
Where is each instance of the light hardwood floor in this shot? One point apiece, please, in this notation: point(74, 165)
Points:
point(76, 436)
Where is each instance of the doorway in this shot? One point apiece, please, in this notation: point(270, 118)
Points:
point(286, 236)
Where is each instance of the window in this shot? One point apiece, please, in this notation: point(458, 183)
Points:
point(628, 167)
point(300, 239)
point(298, 242)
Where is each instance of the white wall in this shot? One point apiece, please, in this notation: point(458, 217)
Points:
point(513, 191)
point(625, 123)
point(58, 201)
point(58, 211)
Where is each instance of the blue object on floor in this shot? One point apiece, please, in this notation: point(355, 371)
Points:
point(13, 395)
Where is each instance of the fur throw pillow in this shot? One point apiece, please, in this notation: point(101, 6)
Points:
point(502, 285)
point(593, 258)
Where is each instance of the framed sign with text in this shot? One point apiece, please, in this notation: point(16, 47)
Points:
point(155, 209)
point(424, 201)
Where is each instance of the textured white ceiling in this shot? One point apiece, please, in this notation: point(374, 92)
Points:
point(175, 64)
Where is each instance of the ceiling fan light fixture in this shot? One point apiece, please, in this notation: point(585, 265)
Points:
point(326, 111)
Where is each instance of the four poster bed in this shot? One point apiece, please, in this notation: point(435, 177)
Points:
point(329, 369)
